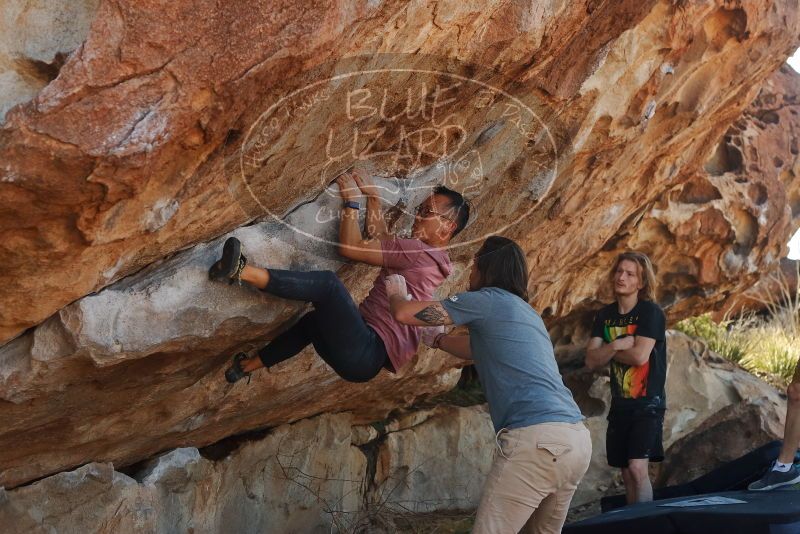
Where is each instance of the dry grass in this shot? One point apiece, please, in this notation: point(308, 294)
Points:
point(767, 345)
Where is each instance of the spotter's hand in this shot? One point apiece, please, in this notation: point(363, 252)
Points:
point(396, 286)
point(429, 334)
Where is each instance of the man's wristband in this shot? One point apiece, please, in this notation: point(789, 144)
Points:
point(352, 204)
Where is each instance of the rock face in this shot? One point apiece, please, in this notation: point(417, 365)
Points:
point(175, 124)
point(139, 130)
point(35, 38)
point(746, 182)
point(707, 235)
point(312, 476)
point(738, 427)
point(328, 473)
point(435, 461)
point(299, 478)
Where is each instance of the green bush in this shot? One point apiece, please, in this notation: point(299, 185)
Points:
point(773, 349)
point(721, 337)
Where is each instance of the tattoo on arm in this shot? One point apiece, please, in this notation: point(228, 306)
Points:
point(433, 315)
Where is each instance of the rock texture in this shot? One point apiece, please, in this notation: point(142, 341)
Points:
point(738, 427)
point(312, 476)
point(328, 473)
point(299, 478)
point(135, 131)
point(35, 38)
point(712, 237)
point(581, 129)
point(435, 461)
point(747, 182)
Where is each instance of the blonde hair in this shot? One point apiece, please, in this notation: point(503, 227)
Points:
point(646, 273)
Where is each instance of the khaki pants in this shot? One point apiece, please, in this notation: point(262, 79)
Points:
point(533, 477)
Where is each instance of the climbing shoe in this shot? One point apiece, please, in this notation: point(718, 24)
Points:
point(229, 267)
point(235, 371)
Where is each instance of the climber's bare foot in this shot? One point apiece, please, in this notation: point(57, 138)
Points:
point(251, 364)
point(241, 367)
point(255, 276)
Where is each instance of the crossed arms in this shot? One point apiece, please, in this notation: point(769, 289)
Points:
point(630, 350)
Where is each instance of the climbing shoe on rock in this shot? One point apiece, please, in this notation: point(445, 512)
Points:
point(235, 371)
point(229, 267)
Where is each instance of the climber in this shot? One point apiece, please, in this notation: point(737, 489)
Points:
point(783, 471)
point(630, 334)
point(356, 342)
point(543, 446)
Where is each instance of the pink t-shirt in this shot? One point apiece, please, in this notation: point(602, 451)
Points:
point(424, 268)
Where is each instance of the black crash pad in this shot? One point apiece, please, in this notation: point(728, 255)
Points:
point(732, 476)
point(776, 512)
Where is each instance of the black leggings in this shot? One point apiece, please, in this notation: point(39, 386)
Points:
point(335, 327)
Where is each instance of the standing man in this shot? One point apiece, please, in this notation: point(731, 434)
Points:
point(783, 471)
point(630, 334)
point(544, 448)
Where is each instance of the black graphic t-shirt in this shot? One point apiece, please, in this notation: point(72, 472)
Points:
point(636, 386)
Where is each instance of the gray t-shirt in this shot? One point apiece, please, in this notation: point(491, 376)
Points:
point(514, 357)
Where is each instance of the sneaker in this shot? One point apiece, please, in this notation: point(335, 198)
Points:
point(776, 479)
point(235, 371)
point(229, 267)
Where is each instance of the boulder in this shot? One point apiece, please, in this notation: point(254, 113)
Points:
point(305, 477)
point(435, 463)
point(174, 125)
point(725, 436)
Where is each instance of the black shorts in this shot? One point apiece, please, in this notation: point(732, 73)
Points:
point(634, 436)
